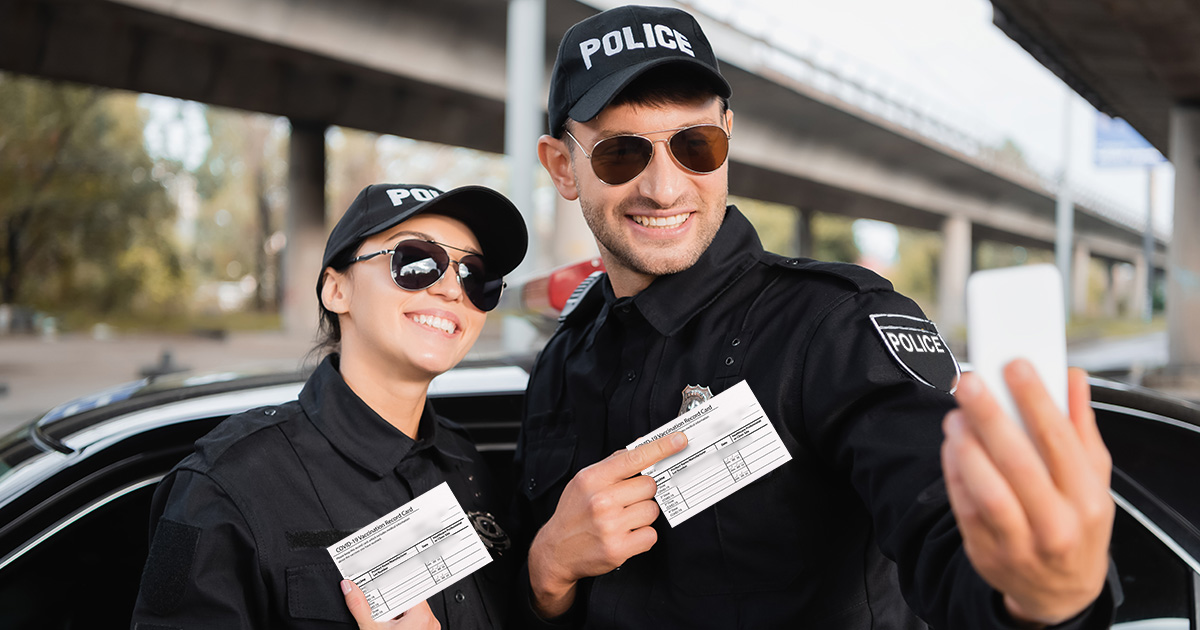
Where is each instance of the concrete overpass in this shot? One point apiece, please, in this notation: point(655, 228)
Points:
point(437, 72)
point(1139, 61)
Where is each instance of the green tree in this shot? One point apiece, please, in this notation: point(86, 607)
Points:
point(84, 221)
point(833, 238)
point(241, 185)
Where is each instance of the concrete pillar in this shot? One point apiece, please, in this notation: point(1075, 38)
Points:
point(524, 111)
point(804, 233)
point(954, 267)
point(1139, 299)
point(306, 230)
point(1080, 267)
point(1108, 302)
point(1183, 268)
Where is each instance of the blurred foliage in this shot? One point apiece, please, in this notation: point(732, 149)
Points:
point(833, 238)
point(237, 231)
point(778, 226)
point(84, 225)
point(915, 272)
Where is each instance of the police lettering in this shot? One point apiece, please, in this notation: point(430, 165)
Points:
point(915, 343)
point(652, 36)
point(398, 195)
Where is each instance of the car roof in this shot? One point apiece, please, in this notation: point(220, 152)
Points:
point(76, 428)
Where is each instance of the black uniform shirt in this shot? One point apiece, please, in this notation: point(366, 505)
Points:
point(240, 527)
point(808, 545)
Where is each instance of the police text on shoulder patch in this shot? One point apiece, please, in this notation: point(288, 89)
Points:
point(916, 345)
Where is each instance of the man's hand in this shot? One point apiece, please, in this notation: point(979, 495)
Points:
point(603, 518)
point(1032, 505)
point(419, 617)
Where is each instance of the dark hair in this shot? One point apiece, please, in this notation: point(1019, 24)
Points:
point(669, 84)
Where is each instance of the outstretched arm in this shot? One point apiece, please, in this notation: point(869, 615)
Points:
point(1032, 505)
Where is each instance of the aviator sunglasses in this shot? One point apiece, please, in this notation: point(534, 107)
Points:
point(616, 160)
point(418, 264)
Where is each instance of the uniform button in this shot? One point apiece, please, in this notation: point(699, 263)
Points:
point(630, 375)
point(270, 412)
point(477, 495)
point(793, 261)
point(736, 342)
point(459, 597)
point(728, 360)
point(470, 477)
point(532, 484)
point(625, 309)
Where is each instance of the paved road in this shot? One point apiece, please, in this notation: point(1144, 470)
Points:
point(40, 374)
point(1140, 353)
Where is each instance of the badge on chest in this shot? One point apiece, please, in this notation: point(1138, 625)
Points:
point(693, 396)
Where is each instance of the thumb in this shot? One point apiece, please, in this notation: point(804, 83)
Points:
point(357, 603)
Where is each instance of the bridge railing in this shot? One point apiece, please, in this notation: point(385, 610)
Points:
point(861, 87)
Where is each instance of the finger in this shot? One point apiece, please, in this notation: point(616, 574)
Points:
point(632, 490)
point(640, 541)
point(1008, 448)
point(357, 603)
point(1054, 435)
point(640, 514)
point(985, 505)
point(1079, 397)
point(627, 463)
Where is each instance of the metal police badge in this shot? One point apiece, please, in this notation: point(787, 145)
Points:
point(916, 345)
point(693, 395)
point(493, 536)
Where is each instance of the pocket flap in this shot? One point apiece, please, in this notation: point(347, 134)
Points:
point(547, 462)
point(313, 592)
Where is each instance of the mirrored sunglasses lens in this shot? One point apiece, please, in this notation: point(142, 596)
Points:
point(417, 264)
point(481, 287)
point(620, 159)
point(701, 149)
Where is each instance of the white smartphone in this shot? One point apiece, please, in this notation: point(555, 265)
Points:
point(1018, 312)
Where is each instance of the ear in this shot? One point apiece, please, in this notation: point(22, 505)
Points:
point(729, 121)
point(556, 158)
point(335, 293)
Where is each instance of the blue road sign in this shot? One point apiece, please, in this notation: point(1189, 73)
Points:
point(1118, 145)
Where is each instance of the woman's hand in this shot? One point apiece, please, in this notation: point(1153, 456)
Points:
point(419, 617)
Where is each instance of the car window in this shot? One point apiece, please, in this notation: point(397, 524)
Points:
point(1156, 582)
point(94, 561)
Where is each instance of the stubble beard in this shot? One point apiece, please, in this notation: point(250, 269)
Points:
point(652, 261)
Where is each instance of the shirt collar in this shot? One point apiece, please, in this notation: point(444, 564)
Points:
point(358, 432)
point(672, 300)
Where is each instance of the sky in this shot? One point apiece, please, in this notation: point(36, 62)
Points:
point(949, 55)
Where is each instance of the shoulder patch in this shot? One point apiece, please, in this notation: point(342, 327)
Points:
point(581, 295)
point(919, 349)
point(862, 278)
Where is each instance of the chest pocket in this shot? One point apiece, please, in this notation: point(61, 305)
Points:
point(547, 463)
point(753, 540)
point(313, 593)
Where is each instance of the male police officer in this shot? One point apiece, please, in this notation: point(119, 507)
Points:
point(851, 374)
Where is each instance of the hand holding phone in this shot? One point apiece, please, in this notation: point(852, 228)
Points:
point(1018, 312)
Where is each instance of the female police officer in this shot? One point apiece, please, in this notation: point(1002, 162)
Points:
point(240, 527)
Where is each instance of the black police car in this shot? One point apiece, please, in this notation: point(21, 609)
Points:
point(75, 487)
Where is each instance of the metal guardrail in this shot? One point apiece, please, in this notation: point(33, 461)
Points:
point(859, 86)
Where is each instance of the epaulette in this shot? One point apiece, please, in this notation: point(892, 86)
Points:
point(862, 278)
point(583, 299)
